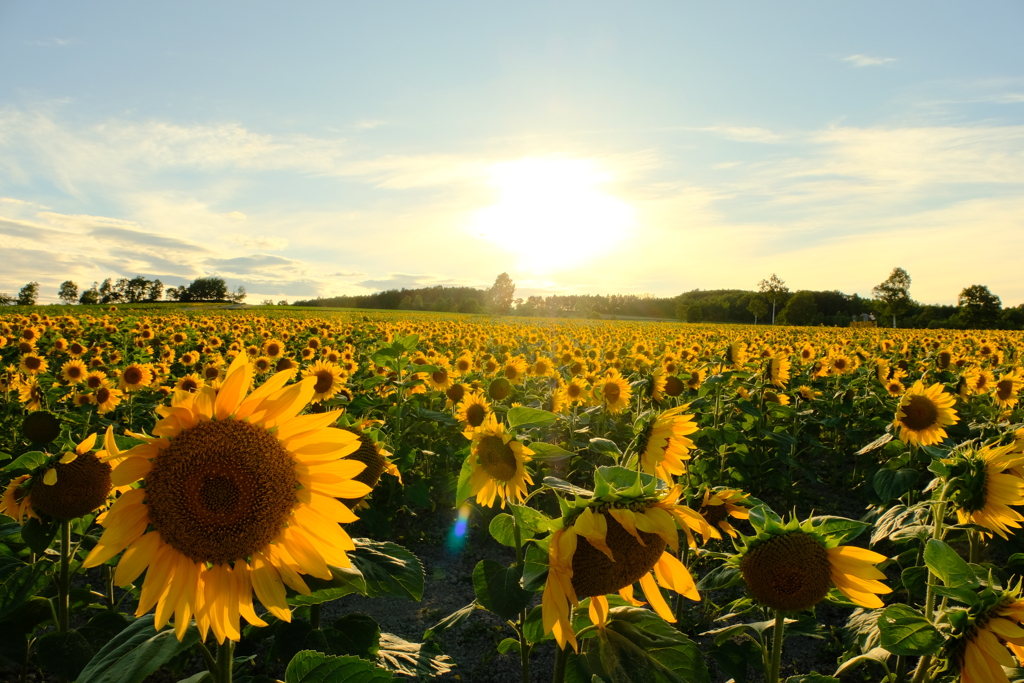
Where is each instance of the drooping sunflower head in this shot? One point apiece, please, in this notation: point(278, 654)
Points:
point(40, 427)
point(923, 412)
point(374, 456)
point(983, 636)
point(793, 566)
point(985, 486)
point(718, 505)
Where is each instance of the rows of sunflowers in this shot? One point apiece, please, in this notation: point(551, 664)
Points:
point(177, 487)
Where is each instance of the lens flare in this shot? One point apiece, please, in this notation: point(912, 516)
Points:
point(457, 537)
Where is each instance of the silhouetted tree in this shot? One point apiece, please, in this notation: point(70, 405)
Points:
point(68, 293)
point(978, 306)
point(894, 293)
point(502, 293)
point(774, 290)
point(28, 294)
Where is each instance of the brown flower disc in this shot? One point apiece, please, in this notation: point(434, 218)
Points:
point(594, 574)
point(366, 453)
point(221, 491)
point(920, 413)
point(790, 572)
point(82, 486)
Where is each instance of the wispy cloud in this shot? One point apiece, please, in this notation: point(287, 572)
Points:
point(866, 60)
point(49, 42)
point(744, 133)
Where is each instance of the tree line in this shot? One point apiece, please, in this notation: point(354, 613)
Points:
point(131, 291)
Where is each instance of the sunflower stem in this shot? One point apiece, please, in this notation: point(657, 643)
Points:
point(225, 660)
point(211, 663)
point(974, 538)
point(108, 580)
point(777, 638)
point(63, 583)
point(561, 657)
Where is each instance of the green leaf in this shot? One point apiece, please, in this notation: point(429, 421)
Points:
point(354, 634)
point(915, 580)
point(64, 654)
point(948, 566)
point(19, 582)
point(891, 484)
point(812, 678)
point(605, 447)
point(722, 576)
point(528, 418)
point(907, 633)
point(27, 461)
point(502, 528)
point(839, 529)
point(38, 535)
point(534, 520)
point(453, 619)
point(345, 580)
point(498, 589)
point(534, 626)
point(312, 667)
point(389, 569)
point(879, 655)
point(408, 343)
point(761, 516)
point(136, 652)
point(535, 567)
point(623, 478)
point(464, 489)
point(547, 451)
point(200, 677)
point(293, 637)
point(509, 644)
point(422, 660)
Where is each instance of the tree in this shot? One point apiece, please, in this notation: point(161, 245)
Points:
point(107, 293)
point(177, 293)
point(801, 309)
point(28, 294)
point(775, 290)
point(210, 288)
point(978, 306)
point(758, 307)
point(6, 299)
point(267, 302)
point(155, 291)
point(501, 294)
point(894, 293)
point(239, 295)
point(282, 302)
point(90, 296)
point(68, 293)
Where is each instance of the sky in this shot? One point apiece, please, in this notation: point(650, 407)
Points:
point(322, 148)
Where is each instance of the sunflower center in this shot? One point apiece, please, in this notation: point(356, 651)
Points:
point(324, 382)
point(920, 413)
point(713, 514)
point(1004, 389)
point(368, 454)
point(497, 458)
point(74, 371)
point(673, 386)
point(475, 415)
point(132, 375)
point(439, 376)
point(594, 574)
point(790, 572)
point(33, 363)
point(611, 392)
point(82, 486)
point(455, 393)
point(221, 491)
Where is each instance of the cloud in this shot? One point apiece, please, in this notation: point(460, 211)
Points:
point(49, 42)
point(260, 242)
point(145, 239)
point(405, 281)
point(237, 215)
point(744, 133)
point(368, 124)
point(865, 60)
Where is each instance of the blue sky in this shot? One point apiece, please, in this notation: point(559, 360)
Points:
point(326, 148)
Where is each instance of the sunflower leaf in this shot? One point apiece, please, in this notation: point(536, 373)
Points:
point(905, 632)
point(19, 582)
point(839, 529)
point(498, 588)
point(136, 652)
point(312, 667)
point(464, 489)
point(389, 569)
point(27, 461)
point(521, 417)
point(891, 484)
point(949, 566)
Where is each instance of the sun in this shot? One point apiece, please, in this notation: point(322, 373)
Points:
point(552, 213)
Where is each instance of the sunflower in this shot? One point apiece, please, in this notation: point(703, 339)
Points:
point(238, 494)
point(31, 394)
point(981, 381)
point(695, 380)
point(375, 457)
point(134, 377)
point(665, 444)
point(74, 371)
point(190, 382)
point(674, 386)
point(808, 394)
point(718, 506)
point(542, 367)
point(69, 486)
point(440, 379)
point(607, 544)
point(895, 387)
point(922, 414)
point(1005, 391)
point(328, 379)
point(189, 358)
point(840, 364)
point(778, 371)
point(473, 411)
point(613, 392)
point(463, 365)
point(575, 391)
point(792, 567)
point(978, 651)
point(273, 348)
point(33, 364)
point(775, 397)
point(736, 354)
point(499, 464)
point(985, 489)
point(106, 398)
point(515, 370)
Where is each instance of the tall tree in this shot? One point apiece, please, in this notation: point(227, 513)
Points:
point(758, 307)
point(28, 294)
point(155, 291)
point(502, 293)
point(774, 290)
point(68, 293)
point(894, 293)
point(91, 295)
point(978, 306)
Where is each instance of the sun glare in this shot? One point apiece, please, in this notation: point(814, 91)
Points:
point(551, 213)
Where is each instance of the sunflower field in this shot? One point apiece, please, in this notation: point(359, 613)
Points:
point(186, 492)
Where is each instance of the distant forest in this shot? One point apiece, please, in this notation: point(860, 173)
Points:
point(718, 305)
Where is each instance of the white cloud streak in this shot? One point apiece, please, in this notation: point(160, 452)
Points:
point(865, 60)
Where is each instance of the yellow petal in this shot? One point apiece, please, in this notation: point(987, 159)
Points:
point(269, 588)
point(68, 457)
point(50, 478)
point(130, 471)
point(657, 600)
point(136, 558)
point(86, 445)
point(231, 393)
point(272, 385)
point(245, 608)
point(599, 610)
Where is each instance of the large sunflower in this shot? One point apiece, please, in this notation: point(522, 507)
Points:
point(499, 464)
point(238, 494)
point(328, 379)
point(792, 567)
point(613, 392)
point(980, 652)
point(922, 414)
point(665, 444)
point(606, 545)
point(1006, 390)
point(986, 489)
point(472, 411)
